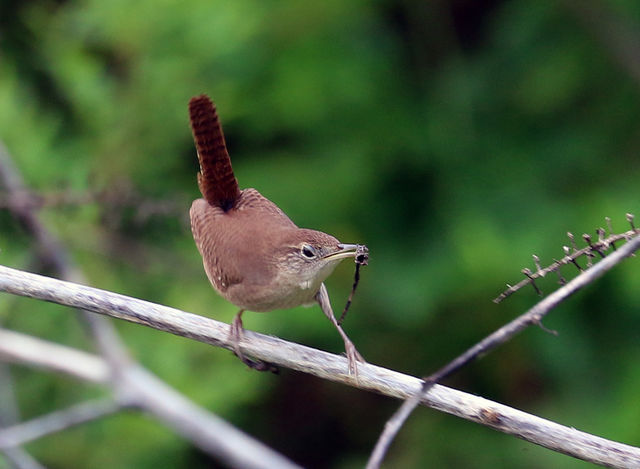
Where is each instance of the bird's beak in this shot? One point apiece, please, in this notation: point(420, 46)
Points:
point(344, 251)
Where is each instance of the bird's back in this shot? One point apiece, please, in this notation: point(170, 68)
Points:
point(230, 243)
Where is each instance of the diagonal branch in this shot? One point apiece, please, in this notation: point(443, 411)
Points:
point(135, 387)
point(571, 256)
point(24, 432)
point(322, 364)
point(502, 335)
point(16, 347)
point(20, 459)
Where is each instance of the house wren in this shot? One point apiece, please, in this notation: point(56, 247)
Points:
point(253, 254)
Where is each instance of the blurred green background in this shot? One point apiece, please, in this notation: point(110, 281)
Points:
point(455, 138)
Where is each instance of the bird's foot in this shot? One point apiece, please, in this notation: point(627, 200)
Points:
point(236, 333)
point(353, 357)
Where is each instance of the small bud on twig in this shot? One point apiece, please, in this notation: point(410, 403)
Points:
point(572, 254)
point(573, 240)
point(527, 272)
point(539, 271)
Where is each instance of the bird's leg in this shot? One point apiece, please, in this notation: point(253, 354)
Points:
point(322, 297)
point(236, 333)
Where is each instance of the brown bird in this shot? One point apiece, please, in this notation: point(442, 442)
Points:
point(253, 254)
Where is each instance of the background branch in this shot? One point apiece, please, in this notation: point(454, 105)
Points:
point(9, 415)
point(135, 387)
point(21, 459)
point(16, 347)
point(77, 414)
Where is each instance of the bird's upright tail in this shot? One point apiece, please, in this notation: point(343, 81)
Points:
point(216, 180)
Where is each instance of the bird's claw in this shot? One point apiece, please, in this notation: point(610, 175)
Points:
point(353, 357)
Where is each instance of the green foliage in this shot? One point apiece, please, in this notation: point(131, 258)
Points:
point(453, 139)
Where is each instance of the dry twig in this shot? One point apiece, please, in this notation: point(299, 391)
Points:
point(532, 317)
point(571, 256)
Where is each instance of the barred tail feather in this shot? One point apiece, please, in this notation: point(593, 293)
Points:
point(216, 180)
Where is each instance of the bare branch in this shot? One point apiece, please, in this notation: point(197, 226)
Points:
point(9, 415)
point(505, 333)
point(16, 347)
point(571, 256)
point(208, 431)
point(138, 388)
point(322, 364)
point(21, 459)
point(25, 432)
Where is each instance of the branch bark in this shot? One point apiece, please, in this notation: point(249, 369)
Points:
point(324, 365)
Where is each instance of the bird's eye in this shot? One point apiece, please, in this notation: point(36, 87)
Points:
point(308, 251)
